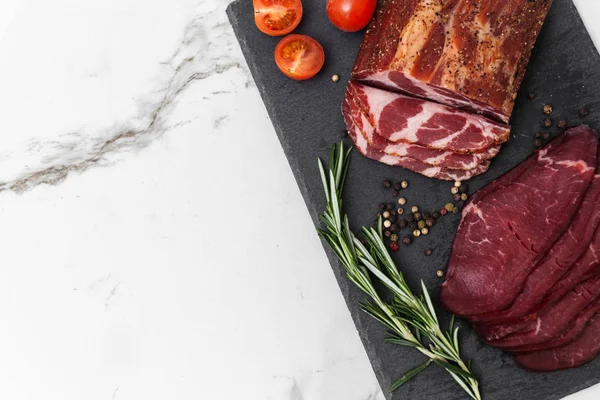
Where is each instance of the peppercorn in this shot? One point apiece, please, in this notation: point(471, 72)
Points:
point(414, 225)
point(449, 207)
point(387, 233)
point(381, 206)
point(425, 231)
point(395, 193)
point(421, 224)
point(548, 109)
point(403, 223)
point(531, 96)
point(456, 197)
point(387, 184)
point(583, 112)
point(546, 136)
point(378, 215)
point(435, 215)
point(416, 233)
point(443, 211)
point(394, 246)
point(456, 210)
point(430, 222)
point(404, 184)
point(394, 238)
point(394, 228)
point(410, 218)
point(402, 201)
point(454, 190)
point(428, 252)
point(397, 186)
point(440, 273)
point(393, 218)
point(400, 211)
point(407, 240)
point(562, 124)
point(538, 135)
point(538, 143)
point(386, 214)
point(464, 197)
point(417, 216)
point(414, 209)
point(335, 78)
point(425, 215)
point(457, 184)
point(547, 123)
point(387, 223)
point(390, 206)
point(463, 189)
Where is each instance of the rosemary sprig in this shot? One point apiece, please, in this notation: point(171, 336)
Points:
point(409, 317)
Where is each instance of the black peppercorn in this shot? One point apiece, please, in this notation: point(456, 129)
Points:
point(410, 218)
point(387, 184)
point(393, 218)
point(395, 193)
point(387, 233)
point(426, 215)
point(393, 212)
point(546, 136)
point(538, 142)
point(394, 228)
point(562, 124)
point(414, 224)
point(538, 135)
point(456, 197)
point(407, 240)
point(430, 222)
point(397, 186)
point(403, 223)
point(390, 206)
point(435, 214)
point(583, 112)
point(463, 189)
point(547, 123)
point(381, 206)
point(531, 96)
point(417, 216)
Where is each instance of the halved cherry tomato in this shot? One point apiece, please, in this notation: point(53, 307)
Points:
point(351, 15)
point(277, 17)
point(300, 57)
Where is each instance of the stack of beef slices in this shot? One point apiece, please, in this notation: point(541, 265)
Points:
point(434, 83)
point(525, 263)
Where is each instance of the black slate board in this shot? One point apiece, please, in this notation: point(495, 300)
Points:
point(564, 71)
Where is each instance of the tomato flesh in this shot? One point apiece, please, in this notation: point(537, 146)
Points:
point(277, 17)
point(351, 15)
point(299, 57)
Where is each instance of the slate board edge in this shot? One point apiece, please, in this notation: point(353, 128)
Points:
point(315, 211)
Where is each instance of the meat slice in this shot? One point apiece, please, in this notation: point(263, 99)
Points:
point(584, 268)
point(463, 53)
point(441, 158)
point(508, 226)
point(355, 131)
point(580, 351)
point(565, 252)
point(551, 323)
point(400, 118)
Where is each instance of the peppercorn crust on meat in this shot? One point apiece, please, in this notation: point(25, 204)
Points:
point(470, 54)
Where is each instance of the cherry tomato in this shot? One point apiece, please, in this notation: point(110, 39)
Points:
point(299, 57)
point(351, 15)
point(277, 17)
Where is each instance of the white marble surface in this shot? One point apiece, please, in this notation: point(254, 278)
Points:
point(146, 254)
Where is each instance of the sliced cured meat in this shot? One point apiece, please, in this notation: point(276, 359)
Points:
point(584, 268)
point(552, 323)
point(467, 54)
point(567, 336)
point(441, 158)
point(504, 229)
point(362, 145)
point(400, 118)
point(580, 351)
point(561, 257)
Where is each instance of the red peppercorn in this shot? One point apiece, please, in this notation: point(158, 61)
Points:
point(443, 211)
point(394, 246)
